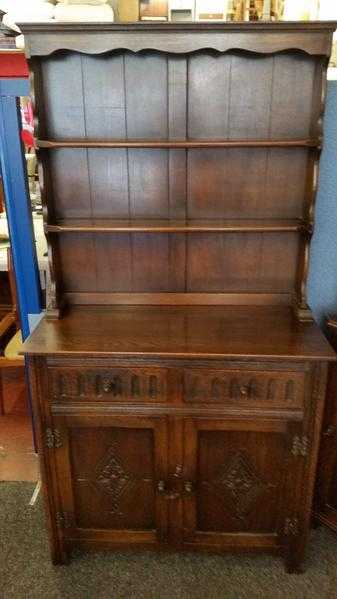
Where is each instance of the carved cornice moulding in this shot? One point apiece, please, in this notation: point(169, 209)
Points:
point(313, 38)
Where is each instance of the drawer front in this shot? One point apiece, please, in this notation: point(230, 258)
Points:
point(108, 384)
point(245, 387)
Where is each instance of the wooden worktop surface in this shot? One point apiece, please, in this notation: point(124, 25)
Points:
point(179, 331)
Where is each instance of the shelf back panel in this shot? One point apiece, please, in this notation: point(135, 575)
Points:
point(238, 96)
point(178, 262)
point(161, 96)
point(178, 184)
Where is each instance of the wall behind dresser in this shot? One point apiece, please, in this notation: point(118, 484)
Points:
point(322, 283)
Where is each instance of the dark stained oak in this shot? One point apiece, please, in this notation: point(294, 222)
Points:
point(311, 37)
point(178, 379)
point(178, 154)
point(325, 506)
point(79, 298)
point(188, 143)
point(208, 331)
point(174, 226)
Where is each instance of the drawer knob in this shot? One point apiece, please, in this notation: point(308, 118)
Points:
point(112, 385)
point(106, 385)
point(166, 493)
point(244, 390)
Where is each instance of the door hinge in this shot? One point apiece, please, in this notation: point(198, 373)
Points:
point(291, 527)
point(53, 438)
point(300, 446)
point(330, 431)
point(64, 520)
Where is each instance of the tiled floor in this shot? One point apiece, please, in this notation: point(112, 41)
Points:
point(18, 462)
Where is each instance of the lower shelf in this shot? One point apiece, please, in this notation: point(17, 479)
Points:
point(175, 226)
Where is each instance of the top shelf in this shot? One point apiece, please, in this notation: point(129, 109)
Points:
point(45, 39)
point(177, 143)
point(183, 26)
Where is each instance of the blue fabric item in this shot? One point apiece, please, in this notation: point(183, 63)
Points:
point(19, 216)
point(322, 280)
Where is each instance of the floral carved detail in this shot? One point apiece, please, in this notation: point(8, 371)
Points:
point(112, 478)
point(239, 478)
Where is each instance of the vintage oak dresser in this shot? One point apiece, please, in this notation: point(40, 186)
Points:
point(178, 378)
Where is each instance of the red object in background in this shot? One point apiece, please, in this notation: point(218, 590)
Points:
point(27, 133)
point(27, 138)
point(13, 64)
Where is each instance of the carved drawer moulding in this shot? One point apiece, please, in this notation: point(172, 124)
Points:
point(248, 385)
point(119, 384)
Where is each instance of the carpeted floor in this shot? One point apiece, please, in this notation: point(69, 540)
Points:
point(26, 572)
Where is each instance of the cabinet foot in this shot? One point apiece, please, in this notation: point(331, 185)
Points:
point(60, 558)
point(294, 564)
point(294, 568)
point(60, 562)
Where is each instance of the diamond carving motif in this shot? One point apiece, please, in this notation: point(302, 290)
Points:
point(238, 476)
point(112, 478)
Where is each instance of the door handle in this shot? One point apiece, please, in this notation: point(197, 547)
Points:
point(161, 486)
point(189, 487)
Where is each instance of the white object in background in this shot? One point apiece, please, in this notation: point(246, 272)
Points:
point(8, 5)
point(211, 10)
point(20, 42)
point(28, 10)
point(181, 7)
point(83, 13)
point(87, 2)
point(300, 10)
point(6, 19)
point(328, 10)
point(332, 73)
point(266, 10)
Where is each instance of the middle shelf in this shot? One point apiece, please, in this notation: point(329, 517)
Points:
point(176, 226)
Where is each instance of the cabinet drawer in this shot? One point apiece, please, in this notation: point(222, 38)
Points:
point(245, 387)
point(108, 384)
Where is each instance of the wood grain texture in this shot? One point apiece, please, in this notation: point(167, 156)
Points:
point(213, 262)
point(179, 394)
point(173, 155)
point(325, 505)
point(313, 38)
point(129, 453)
point(174, 226)
point(177, 299)
point(181, 143)
point(205, 184)
point(238, 452)
point(181, 330)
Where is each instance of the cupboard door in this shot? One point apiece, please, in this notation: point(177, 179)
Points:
point(326, 482)
point(109, 472)
point(239, 482)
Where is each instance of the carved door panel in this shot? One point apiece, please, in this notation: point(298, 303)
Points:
point(109, 472)
point(326, 482)
point(240, 481)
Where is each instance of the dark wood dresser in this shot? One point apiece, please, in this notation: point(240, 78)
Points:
point(325, 506)
point(178, 378)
